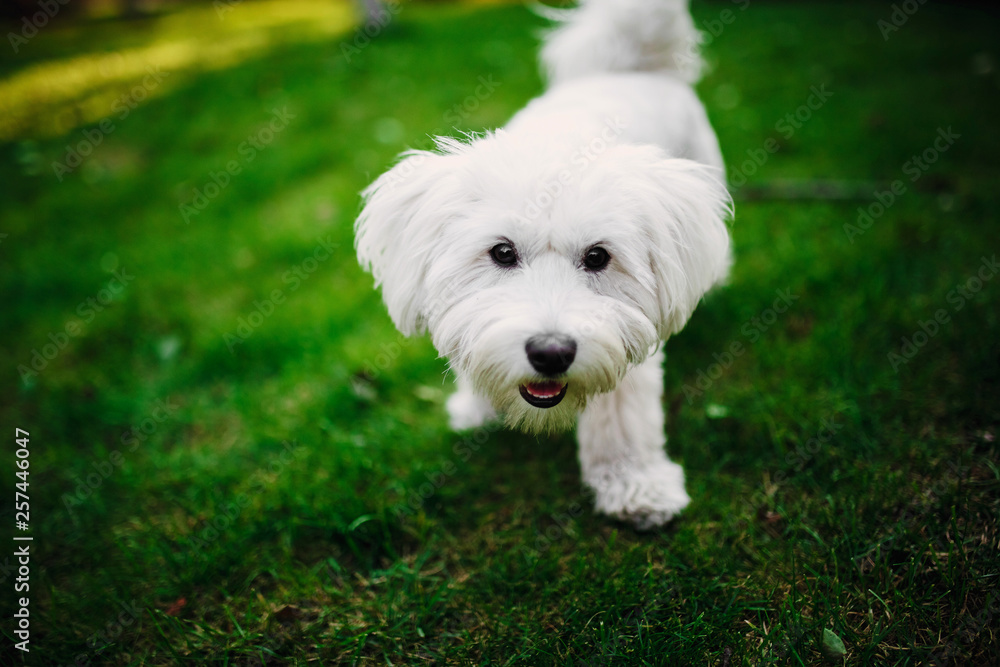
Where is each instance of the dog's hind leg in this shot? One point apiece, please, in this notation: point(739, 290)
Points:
point(467, 409)
point(622, 454)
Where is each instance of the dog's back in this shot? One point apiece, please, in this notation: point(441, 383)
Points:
point(624, 67)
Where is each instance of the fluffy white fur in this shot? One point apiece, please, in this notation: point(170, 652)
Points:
point(617, 153)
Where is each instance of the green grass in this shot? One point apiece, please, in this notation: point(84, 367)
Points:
point(259, 520)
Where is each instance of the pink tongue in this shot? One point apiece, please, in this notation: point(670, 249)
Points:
point(544, 389)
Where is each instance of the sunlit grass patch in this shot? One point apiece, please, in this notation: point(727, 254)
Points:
point(52, 97)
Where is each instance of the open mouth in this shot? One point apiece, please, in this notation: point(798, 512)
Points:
point(543, 394)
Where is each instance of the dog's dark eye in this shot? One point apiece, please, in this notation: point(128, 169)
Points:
point(503, 254)
point(596, 259)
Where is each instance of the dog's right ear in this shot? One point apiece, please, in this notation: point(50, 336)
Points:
point(397, 231)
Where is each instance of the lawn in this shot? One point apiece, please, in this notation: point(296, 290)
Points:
point(235, 459)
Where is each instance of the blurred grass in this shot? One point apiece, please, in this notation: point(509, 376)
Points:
point(255, 516)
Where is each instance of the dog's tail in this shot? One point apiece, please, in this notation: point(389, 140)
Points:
point(602, 36)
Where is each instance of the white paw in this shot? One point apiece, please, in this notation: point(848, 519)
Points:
point(646, 496)
point(466, 410)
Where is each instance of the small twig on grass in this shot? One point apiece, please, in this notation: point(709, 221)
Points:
point(822, 190)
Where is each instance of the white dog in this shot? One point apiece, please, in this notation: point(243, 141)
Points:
point(550, 259)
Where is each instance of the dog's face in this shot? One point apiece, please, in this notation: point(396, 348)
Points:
point(543, 278)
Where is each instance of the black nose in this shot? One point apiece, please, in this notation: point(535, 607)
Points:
point(551, 354)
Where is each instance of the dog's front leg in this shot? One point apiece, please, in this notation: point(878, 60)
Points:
point(466, 408)
point(622, 451)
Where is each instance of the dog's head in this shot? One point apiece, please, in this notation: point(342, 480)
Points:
point(543, 275)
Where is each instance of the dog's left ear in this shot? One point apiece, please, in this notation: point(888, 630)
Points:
point(686, 206)
point(397, 231)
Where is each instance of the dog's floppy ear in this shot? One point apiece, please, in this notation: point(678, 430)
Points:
point(686, 206)
point(396, 233)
